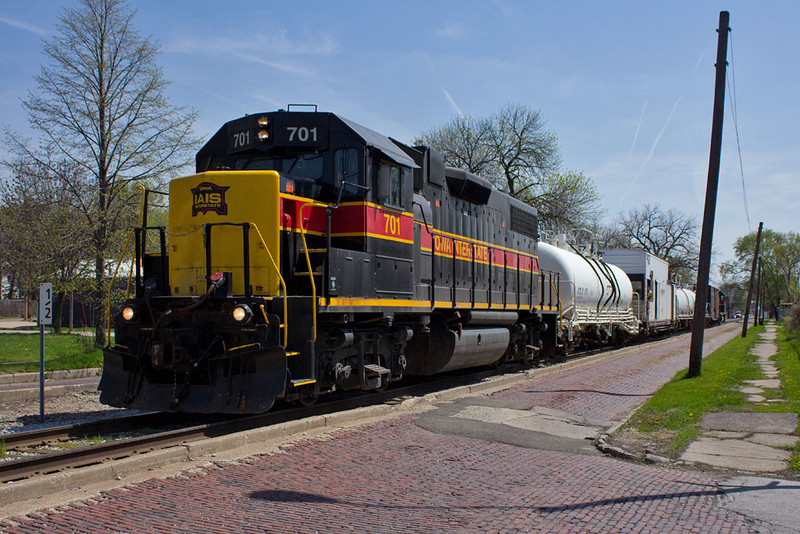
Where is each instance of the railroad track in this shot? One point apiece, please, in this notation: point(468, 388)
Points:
point(82, 456)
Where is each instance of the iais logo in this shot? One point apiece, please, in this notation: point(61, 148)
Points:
point(209, 197)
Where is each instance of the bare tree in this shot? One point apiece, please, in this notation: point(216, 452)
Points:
point(523, 151)
point(514, 151)
point(668, 234)
point(464, 141)
point(100, 104)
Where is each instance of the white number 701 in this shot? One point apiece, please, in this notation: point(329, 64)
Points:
point(302, 133)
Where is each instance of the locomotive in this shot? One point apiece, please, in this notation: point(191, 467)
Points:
point(309, 254)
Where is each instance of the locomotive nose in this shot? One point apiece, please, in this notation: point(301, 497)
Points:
point(225, 221)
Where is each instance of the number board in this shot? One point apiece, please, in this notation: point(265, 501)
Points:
point(242, 138)
point(302, 130)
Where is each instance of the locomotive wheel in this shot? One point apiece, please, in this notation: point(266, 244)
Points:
point(384, 385)
point(307, 397)
point(307, 401)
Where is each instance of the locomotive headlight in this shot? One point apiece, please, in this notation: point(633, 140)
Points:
point(242, 313)
point(263, 136)
point(263, 121)
point(129, 313)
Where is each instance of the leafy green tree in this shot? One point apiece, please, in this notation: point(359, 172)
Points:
point(100, 104)
point(780, 260)
point(44, 236)
point(565, 200)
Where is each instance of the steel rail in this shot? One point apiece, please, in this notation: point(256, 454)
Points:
point(44, 436)
point(52, 462)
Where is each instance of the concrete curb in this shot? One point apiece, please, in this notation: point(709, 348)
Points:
point(71, 374)
point(52, 388)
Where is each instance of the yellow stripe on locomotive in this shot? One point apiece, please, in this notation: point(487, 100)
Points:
point(220, 198)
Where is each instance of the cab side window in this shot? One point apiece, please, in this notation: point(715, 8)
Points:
point(391, 180)
point(346, 171)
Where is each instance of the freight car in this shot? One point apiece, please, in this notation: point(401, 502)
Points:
point(661, 303)
point(311, 254)
point(595, 297)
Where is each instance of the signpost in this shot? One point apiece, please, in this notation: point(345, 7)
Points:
point(45, 318)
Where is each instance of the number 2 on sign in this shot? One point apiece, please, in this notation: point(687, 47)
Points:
point(392, 224)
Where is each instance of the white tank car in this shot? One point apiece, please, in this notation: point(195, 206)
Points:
point(684, 305)
point(594, 297)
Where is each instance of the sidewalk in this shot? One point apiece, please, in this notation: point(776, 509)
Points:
point(754, 442)
point(12, 325)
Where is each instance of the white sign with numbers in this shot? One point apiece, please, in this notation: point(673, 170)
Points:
point(46, 303)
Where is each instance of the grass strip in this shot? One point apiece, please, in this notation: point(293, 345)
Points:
point(788, 362)
point(20, 352)
point(672, 415)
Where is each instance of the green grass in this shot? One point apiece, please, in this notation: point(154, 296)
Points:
point(675, 410)
point(788, 361)
point(20, 352)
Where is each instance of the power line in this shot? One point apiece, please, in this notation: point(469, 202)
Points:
point(734, 114)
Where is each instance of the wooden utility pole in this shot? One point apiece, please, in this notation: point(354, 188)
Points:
point(763, 298)
point(750, 286)
point(757, 313)
point(704, 263)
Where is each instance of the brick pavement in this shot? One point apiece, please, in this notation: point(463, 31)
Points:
point(590, 393)
point(394, 476)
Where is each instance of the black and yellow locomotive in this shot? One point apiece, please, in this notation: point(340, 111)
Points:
point(311, 254)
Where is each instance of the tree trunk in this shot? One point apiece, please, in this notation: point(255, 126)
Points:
point(100, 298)
point(12, 280)
point(58, 303)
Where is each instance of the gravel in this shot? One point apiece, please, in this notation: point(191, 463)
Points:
point(67, 409)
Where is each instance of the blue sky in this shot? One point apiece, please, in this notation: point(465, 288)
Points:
point(626, 86)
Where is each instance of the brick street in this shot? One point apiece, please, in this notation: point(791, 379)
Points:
point(396, 476)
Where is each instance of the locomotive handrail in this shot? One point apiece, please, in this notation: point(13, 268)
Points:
point(554, 289)
point(283, 284)
point(473, 243)
point(308, 262)
point(142, 218)
point(246, 267)
point(113, 279)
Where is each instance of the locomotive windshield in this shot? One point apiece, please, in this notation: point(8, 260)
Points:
point(307, 171)
point(304, 166)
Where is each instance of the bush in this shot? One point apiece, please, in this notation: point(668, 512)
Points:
point(792, 321)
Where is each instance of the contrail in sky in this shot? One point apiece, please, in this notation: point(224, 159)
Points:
point(652, 151)
point(441, 85)
point(633, 145)
point(451, 101)
point(23, 26)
